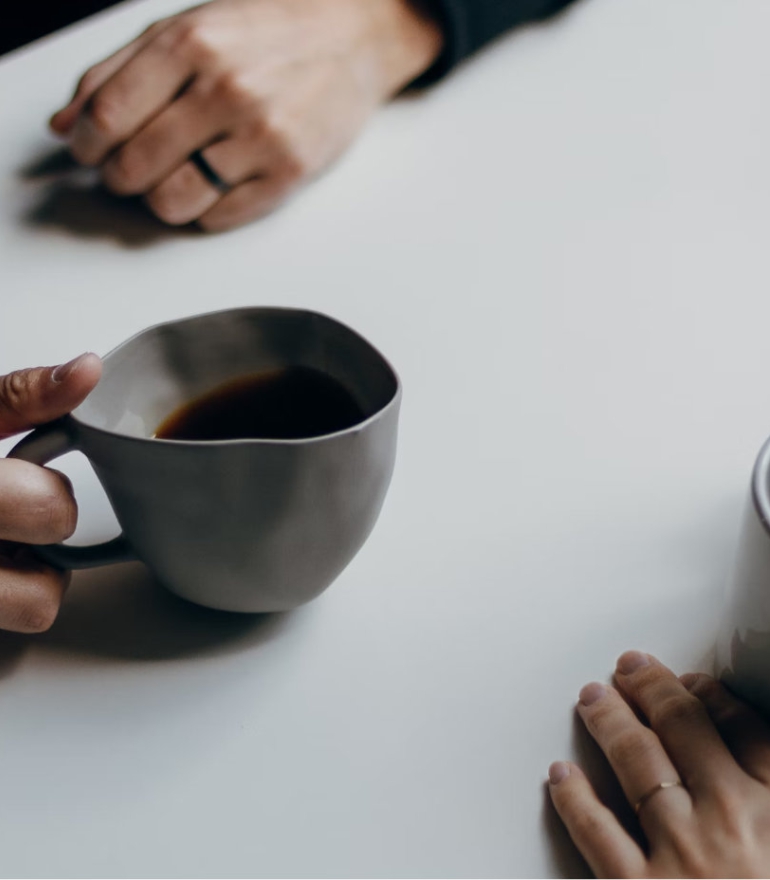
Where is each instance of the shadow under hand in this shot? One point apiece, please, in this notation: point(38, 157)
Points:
point(121, 612)
point(591, 759)
point(72, 200)
point(12, 648)
point(565, 855)
point(597, 768)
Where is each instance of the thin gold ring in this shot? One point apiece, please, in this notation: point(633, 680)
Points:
point(654, 790)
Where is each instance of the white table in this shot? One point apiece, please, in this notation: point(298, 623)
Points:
point(564, 251)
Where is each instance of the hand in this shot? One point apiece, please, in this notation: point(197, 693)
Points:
point(36, 504)
point(270, 92)
point(717, 823)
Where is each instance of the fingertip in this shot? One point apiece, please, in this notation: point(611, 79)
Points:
point(57, 123)
point(86, 369)
point(72, 382)
point(591, 693)
point(558, 772)
point(62, 121)
point(630, 661)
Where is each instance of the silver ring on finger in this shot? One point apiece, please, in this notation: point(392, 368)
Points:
point(211, 176)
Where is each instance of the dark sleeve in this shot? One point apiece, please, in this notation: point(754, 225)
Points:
point(469, 24)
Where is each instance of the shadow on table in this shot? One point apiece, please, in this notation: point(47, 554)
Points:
point(72, 200)
point(120, 612)
point(12, 648)
point(566, 859)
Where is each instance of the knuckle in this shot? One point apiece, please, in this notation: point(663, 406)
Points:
point(14, 391)
point(600, 713)
point(234, 90)
point(294, 169)
point(705, 687)
point(724, 709)
point(730, 800)
point(206, 225)
point(676, 712)
point(104, 113)
point(630, 747)
point(125, 172)
point(586, 825)
point(168, 201)
point(212, 224)
point(166, 208)
point(191, 36)
point(730, 714)
point(276, 132)
point(689, 853)
point(89, 81)
point(160, 205)
point(155, 28)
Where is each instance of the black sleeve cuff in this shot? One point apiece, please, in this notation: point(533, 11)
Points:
point(469, 24)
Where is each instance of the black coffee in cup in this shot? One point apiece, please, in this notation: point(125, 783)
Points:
point(285, 404)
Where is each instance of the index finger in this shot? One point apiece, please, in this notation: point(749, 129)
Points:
point(146, 83)
point(63, 120)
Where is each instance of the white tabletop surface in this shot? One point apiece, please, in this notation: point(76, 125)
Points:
point(563, 248)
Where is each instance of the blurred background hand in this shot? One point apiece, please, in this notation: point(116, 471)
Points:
point(263, 94)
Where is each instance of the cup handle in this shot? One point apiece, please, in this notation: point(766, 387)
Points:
point(39, 447)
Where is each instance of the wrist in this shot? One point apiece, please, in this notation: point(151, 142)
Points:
point(408, 41)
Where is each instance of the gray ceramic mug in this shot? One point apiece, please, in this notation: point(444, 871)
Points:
point(743, 648)
point(240, 525)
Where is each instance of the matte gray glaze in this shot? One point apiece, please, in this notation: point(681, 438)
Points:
point(239, 525)
point(743, 649)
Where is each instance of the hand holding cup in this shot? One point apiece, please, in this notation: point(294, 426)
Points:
point(36, 504)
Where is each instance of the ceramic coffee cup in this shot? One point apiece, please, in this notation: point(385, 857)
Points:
point(246, 525)
point(743, 650)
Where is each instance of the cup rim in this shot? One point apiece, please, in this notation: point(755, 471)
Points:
point(760, 491)
point(246, 441)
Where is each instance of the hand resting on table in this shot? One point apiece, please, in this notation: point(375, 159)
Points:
point(658, 731)
point(219, 113)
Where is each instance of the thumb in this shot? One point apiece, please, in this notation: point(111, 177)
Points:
point(41, 394)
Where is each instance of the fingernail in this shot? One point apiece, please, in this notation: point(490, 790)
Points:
point(689, 679)
point(557, 772)
point(592, 692)
point(631, 661)
point(63, 371)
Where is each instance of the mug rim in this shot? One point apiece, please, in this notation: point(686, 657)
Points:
point(760, 491)
point(240, 441)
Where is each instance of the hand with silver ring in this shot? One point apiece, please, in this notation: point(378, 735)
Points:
point(217, 114)
point(693, 761)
